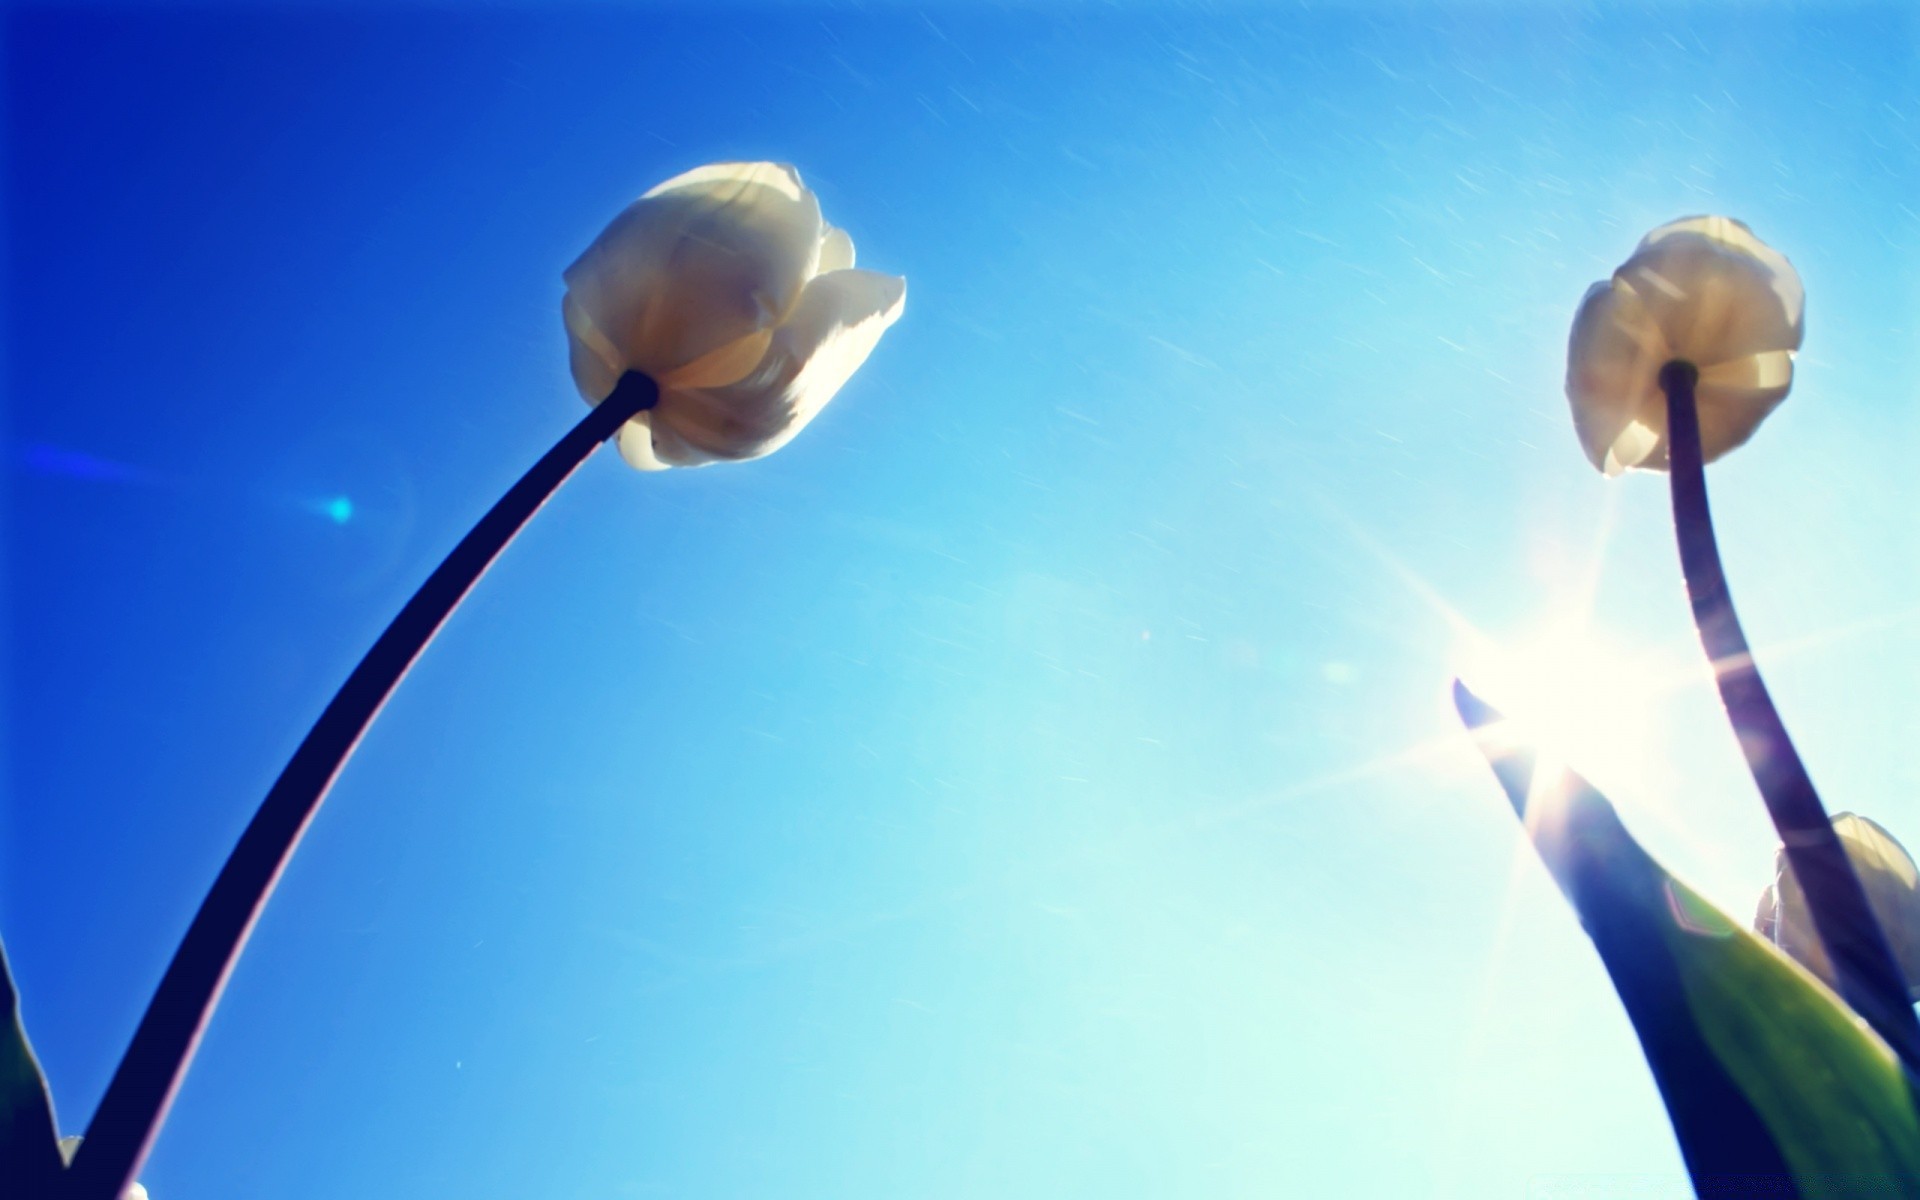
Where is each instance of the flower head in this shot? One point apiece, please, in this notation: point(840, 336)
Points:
point(1892, 884)
point(1702, 290)
point(728, 289)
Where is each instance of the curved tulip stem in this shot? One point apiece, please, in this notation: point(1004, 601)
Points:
point(142, 1087)
point(1868, 976)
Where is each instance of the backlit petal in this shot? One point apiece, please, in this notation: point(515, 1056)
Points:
point(1613, 363)
point(832, 331)
point(697, 264)
point(635, 442)
point(729, 364)
point(836, 251)
point(1737, 236)
point(595, 362)
point(1734, 397)
point(1714, 297)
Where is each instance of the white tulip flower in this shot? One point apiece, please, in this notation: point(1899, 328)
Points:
point(711, 320)
point(726, 287)
point(1701, 290)
point(1892, 884)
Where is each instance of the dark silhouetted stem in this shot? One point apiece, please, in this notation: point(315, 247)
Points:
point(1865, 971)
point(30, 1163)
point(137, 1098)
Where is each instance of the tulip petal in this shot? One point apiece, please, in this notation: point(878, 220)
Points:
point(1714, 296)
point(697, 264)
point(1734, 397)
point(837, 325)
point(729, 364)
point(593, 360)
point(836, 251)
point(781, 177)
point(635, 443)
point(834, 328)
point(1638, 445)
point(658, 446)
point(1736, 236)
point(1613, 363)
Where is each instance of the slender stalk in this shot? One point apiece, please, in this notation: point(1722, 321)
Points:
point(1867, 975)
point(137, 1098)
point(29, 1135)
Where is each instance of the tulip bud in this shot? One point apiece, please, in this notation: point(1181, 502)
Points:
point(1892, 884)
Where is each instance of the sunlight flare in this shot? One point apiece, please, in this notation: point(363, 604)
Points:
point(1581, 700)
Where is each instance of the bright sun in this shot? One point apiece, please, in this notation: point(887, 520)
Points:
point(1578, 698)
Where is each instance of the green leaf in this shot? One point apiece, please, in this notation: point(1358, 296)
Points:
point(30, 1163)
point(1770, 1080)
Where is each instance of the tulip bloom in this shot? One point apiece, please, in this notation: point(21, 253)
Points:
point(728, 289)
point(1702, 290)
point(1673, 362)
point(1891, 880)
point(711, 320)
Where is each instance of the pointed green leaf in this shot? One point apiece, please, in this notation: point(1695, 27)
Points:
point(30, 1163)
point(1769, 1079)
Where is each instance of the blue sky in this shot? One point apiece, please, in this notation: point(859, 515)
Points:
point(1034, 781)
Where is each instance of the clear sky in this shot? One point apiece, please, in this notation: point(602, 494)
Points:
point(1035, 781)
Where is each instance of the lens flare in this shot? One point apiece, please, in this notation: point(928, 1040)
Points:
point(1582, 701)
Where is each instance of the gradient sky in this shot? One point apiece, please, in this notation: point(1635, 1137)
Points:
point(1035, 781)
